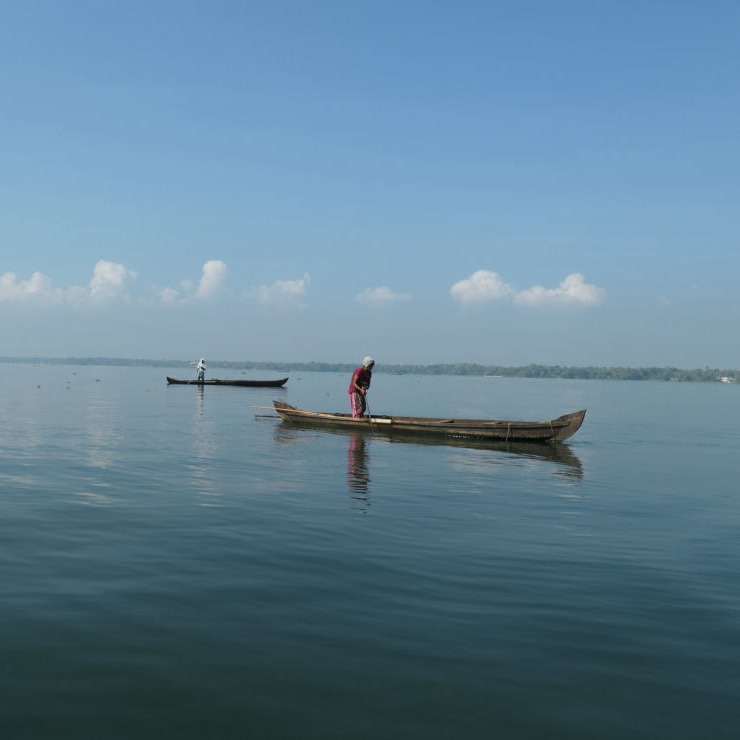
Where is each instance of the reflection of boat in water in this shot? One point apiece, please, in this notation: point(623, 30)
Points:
point(489, 430)
point(561, 454)
point(556, 453)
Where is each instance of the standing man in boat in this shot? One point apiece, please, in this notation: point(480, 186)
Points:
point(201, 368)
point(359, 386)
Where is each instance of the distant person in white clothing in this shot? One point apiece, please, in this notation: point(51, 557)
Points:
point(201, 368)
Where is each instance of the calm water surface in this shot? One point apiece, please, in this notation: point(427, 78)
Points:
point(178, 564)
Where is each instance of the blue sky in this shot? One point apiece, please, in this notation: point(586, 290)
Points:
point(493, 182)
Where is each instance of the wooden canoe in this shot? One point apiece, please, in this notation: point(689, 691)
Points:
point(241, 383)
point(555, 430)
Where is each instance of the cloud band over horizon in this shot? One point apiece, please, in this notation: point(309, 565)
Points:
point(110, 282)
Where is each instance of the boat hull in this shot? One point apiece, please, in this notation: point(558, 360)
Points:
point(239, 383)
point(554, 430)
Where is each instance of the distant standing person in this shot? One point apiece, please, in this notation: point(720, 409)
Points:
point(201, 367)
point(358, 387)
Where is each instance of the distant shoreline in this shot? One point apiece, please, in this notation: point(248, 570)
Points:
point(666, 374)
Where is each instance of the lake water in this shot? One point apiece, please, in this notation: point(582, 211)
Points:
point(175, 563)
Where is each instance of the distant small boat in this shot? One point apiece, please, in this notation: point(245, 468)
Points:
point(241, 383)
point(554, 430)
point(726, 379)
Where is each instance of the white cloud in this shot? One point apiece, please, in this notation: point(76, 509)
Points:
point(211, 282)
point(213, 278)
point(481, 287)
point(286, 292)
point(484, 286)
point(380, 296)
point(168, 295)
point(572, 290)
point(37, 288)
point(108, 282)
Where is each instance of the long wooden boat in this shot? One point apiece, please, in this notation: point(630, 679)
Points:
point(241, 383)
point(554, 430)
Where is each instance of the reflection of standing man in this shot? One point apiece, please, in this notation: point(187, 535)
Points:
point(358, 476)
point(201, 368)
point(359, 385)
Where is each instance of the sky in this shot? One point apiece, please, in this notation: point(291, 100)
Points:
point(498, 182)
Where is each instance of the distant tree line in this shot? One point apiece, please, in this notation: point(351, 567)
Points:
point(670, 374)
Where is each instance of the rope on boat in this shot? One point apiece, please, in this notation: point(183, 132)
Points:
point(508, 431)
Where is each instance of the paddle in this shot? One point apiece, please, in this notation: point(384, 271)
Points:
point(369, 415)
